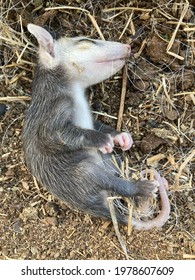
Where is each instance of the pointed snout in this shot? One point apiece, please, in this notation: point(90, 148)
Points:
point(128, 47)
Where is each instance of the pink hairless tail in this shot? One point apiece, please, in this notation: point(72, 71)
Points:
point(163, 216)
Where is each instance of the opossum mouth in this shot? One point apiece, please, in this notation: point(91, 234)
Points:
point(112, 60)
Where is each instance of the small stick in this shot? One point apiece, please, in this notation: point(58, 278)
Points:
point(175, 32)
point(193, 98)
point(130, 208)
point(182, 166)
point(122, 101)
point(15, 98)
point(115, 224)
point(165, 14)
point(38, 189)
point(191, 94)
point(94, 22)
point(188, 256)
point(67, 8)
point(189, 29)
point(166, 91)
point(127, 24)
point(105, 115)
point(115, 15)
point(126, 9)
point(155, 158)
point(20, 56)
point(144, 42)
point(184, 93)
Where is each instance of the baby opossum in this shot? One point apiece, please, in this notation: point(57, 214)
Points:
point(63, 148)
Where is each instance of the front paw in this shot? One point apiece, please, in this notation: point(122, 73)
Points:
point(124, 140)
point(108, 147)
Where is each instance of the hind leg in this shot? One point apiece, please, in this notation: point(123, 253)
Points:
point(108, 181)
point(97, 205)
point(138, 188)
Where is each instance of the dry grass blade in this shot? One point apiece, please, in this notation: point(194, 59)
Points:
point(166, 91)
point(130, 209)
point(94, 22)
point(114, 16)
point(182, 166)
point(188, 256)
point(15, 98)
point(126, 26)
point(189, 29)
point(138, 54)
point(67, 8)
point(184, 93)
point(115, 224)
point(166, 83)
point(126, 9)
point(155, 158)
point(122, 101)
point(105, 115)
point(191, 94)
point(184, 11)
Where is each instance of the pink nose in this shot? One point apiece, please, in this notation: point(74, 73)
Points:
point(128, 48)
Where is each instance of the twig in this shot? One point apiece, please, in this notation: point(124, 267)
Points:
point(190, 93)
point(122, 101)
point(175, 33)
point(67, 8)
point(185, 93)
point(115, 224)
point(104, 114)
point(114, 16)
point(137, 54)
point(15, 98)
point(130, 208)
point(155, 158)
point(127, 24)
point(93, 20)
point(126, 9)
point(189, 29)
point(183, 165)
point(188, 256)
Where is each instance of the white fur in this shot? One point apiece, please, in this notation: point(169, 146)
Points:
point(82, 114)
point(90, 63)
point(85, 62)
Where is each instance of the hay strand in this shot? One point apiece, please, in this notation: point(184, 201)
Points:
point(115, 224)
point(181, 168)
point(122, 101)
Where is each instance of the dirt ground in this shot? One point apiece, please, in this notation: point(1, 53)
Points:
point(158, 111)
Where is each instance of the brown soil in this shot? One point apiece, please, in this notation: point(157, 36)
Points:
point(159, 113)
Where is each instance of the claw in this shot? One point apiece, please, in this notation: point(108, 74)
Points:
point(108, 148)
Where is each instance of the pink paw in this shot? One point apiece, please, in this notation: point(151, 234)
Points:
point(108, 148)
point(124, 140)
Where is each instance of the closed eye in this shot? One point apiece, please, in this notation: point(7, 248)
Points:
point(87, 40)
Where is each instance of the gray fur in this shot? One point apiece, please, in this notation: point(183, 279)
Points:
point(63, 157)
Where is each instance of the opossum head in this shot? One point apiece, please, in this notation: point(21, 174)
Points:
point(85, 60)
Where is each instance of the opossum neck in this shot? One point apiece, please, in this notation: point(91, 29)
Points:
point(82, 114)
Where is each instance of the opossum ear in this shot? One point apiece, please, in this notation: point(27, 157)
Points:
point(43, 37)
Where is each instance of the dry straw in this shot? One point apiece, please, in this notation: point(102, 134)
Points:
point(177, 162)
